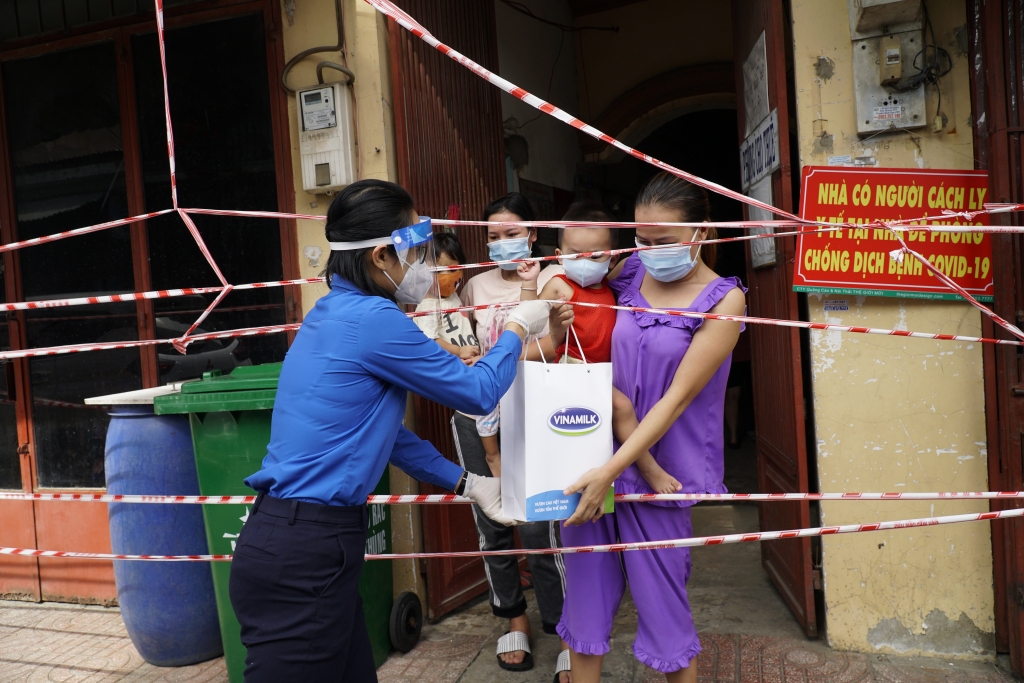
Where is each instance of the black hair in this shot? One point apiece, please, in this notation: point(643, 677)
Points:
point(692, 203)
point(365, 210)
point(587, 211)
point(447, 244)
point(513, 202)
point(516, 203)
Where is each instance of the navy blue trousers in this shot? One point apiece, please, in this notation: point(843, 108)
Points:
point(295, 590)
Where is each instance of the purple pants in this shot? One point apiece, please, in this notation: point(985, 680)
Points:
point(666, 637)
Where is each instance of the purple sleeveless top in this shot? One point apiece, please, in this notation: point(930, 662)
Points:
point(646, 351)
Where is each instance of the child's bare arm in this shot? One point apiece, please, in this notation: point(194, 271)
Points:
point(492, 454)
point(448, 346)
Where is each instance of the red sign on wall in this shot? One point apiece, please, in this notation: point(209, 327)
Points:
point(857, 261)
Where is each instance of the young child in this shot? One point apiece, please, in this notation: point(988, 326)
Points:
point(585, 280)
point(452, 331)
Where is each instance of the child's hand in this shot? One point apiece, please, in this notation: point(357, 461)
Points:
point(559, 320)
point(467, 352)
point(659, 480)
point(529, 271)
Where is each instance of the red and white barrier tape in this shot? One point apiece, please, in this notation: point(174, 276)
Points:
point(902, 223)
point(291, 327)
point(623, 250)
point(949, 282)
point(451, 498)
point(742, 319)
point(107, 346)
point(45, 239)
point(607, 548)
point(68, 554)
point(722, 540)
point(155, 294)
point(407, 22)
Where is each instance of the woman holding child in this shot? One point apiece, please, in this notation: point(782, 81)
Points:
point(670, 376)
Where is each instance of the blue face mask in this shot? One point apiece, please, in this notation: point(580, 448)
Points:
point(506, 250)
point(670, 264)
point(585, 272)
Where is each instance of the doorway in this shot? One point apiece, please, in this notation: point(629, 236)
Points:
point(84, 142)
point(703, 143)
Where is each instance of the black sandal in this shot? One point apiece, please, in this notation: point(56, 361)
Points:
point(515, 641)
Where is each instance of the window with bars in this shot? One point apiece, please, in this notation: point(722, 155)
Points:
point(26, 18)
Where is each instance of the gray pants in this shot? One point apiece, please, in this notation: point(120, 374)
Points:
point(548, 571)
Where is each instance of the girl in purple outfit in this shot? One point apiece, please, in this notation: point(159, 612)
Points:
point(674, 372)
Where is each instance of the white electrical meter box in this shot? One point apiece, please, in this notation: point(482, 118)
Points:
point(887, 107)
point(327, 144)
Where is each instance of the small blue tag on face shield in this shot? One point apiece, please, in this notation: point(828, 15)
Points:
point(413, 235)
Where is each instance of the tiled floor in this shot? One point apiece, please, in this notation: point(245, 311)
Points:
point(75, 644)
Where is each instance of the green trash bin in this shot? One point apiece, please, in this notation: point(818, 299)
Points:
point(230, 419)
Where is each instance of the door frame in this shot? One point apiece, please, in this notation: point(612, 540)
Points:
point(998, 147)
point(789, 563)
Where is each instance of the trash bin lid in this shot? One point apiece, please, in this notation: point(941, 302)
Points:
point(250, 387)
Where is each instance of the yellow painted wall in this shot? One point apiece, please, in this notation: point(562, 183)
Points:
point(894, 414)
point(313, 24)
point(366, 31)
point(654, 37)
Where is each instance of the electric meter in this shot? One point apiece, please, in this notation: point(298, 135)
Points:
point(327, 144)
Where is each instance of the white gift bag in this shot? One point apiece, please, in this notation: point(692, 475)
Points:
point(556, 423)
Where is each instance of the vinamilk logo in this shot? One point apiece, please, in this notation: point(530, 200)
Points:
point(574, 421)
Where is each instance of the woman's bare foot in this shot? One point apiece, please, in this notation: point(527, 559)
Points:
point(659, 480)
point(520, 623)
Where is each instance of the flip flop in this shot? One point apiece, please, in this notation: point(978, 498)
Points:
point(515, 641)
point(563, 664)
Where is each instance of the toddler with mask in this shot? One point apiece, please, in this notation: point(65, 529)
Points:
point(585, 281)
point(452, 331)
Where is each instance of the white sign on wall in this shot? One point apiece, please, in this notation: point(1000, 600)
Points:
point(762, 251)
point(755, 86)
point(759, 153)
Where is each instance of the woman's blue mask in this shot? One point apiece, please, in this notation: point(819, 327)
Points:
point(669, 264)
point(506, 250)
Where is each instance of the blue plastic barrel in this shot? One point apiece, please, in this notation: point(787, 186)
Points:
point(169, 608)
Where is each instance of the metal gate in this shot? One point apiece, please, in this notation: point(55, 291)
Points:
point(450, 154)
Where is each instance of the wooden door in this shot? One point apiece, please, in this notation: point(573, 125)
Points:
point(782, 464)
point(997, 91)
point(451, 157)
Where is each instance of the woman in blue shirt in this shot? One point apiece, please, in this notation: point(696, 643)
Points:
point(337, 423)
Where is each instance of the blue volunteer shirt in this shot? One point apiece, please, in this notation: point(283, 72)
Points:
point(341, 398)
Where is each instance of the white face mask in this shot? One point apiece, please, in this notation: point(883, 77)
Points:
point(415, 284)
point(585, 272)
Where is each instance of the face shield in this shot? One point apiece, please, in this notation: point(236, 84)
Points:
point(414, 247)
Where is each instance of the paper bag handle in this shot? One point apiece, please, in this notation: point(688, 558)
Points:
point(578, 345)
point(572, 328)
